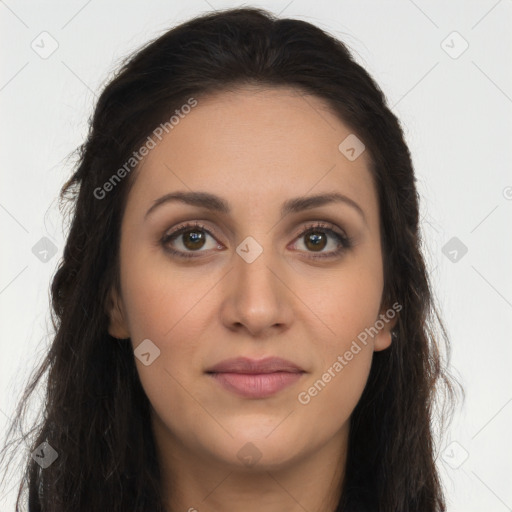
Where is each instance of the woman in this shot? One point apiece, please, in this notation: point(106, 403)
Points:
point(243, 315)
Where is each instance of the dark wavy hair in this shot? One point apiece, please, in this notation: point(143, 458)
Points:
point(95, 413)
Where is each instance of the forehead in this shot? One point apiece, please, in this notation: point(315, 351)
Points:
point(255, 146)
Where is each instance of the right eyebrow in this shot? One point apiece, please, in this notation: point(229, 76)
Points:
point(200, 199)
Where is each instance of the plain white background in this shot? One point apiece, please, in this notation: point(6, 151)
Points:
point(455, 104)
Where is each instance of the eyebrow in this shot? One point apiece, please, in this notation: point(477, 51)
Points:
point(218, 204)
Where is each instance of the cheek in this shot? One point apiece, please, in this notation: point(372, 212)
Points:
point(333, 390)
point(167, 306)
point(159, 297)
point(347, 302)
point(348, 305)
point(171, 319)
point(337, 387)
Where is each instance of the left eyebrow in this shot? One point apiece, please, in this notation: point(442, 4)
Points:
point(308, 202)
point(218, 204)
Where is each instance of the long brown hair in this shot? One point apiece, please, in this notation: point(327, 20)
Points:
point(95, 412)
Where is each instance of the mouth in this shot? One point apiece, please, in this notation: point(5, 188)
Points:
point(255, 378)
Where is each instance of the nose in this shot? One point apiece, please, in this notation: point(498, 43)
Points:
point(258, 297)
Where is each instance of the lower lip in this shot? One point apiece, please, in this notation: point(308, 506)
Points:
point(257, 385)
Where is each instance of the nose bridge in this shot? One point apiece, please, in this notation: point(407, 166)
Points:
point(258, 297)
point(252, 269)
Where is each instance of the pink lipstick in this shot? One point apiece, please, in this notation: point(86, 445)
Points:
point(252, 378)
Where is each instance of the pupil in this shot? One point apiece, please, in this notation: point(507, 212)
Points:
point(193, 240)
point(316, 240)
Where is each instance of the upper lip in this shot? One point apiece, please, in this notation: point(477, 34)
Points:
point(247, 365)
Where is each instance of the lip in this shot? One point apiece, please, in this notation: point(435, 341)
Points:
point(248, 365)
point(252, 378)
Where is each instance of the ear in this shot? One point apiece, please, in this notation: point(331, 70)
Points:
point(117, 327)
point(387, 320)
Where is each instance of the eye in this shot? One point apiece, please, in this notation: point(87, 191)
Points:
point(193, 238)
point(316, 237)
point(188, 240)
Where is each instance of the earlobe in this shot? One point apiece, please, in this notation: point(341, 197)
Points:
point(117, 327)
point(382, 341)
point(387, 322)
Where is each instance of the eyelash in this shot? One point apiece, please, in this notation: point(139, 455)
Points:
point(345, 241)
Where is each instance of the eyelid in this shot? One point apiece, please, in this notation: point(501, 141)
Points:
point(186, 226)
point(319, 224)
point(345, 241)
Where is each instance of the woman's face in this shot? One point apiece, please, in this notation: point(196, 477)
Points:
point(257, 284)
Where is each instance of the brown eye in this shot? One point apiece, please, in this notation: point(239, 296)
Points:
point(187, 240)
point(193, 239)
point(316, 240)
point(319, 236)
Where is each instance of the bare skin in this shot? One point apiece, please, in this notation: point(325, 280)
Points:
point(255, 148)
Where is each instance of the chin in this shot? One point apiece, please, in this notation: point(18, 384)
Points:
point(258, 450)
